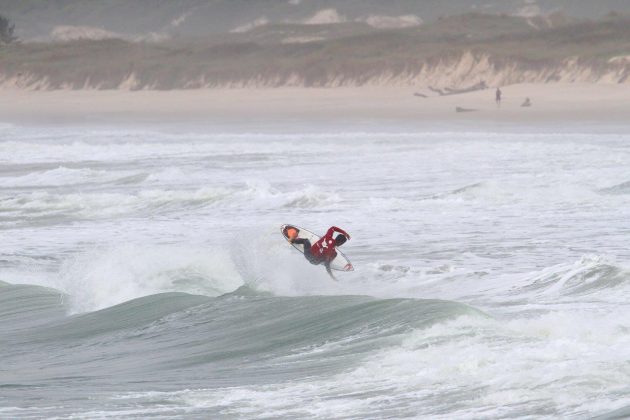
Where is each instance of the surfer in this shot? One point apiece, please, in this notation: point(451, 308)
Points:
point(322, 251)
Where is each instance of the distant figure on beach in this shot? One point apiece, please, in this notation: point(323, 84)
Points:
point(498, 97)
point(527, 102)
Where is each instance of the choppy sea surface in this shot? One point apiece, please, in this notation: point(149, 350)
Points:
point(142, 273)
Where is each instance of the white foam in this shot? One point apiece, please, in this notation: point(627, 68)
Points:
point(538, 366)
point(57, 177)
point(107, 204)
point(103, 277)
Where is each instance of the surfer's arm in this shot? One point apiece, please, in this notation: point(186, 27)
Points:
point(329, 271)
point(336, 229)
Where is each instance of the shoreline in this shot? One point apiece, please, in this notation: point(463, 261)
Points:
point(551, 104)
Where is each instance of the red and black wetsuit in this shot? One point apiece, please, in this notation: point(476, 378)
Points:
point(322, 251)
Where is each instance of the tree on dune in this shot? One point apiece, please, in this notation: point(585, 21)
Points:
point(6, 31)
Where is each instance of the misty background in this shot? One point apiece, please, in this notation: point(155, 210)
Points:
point(37, 19)
point(435, 45)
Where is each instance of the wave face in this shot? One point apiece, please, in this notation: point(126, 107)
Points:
point(142, 274)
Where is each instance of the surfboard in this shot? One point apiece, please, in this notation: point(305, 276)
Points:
point(340, 263)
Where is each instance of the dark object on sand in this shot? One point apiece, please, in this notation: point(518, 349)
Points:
point(421, 95)
point(527, 102)
point(460, 109)
point(452, 91)
point(479, 86)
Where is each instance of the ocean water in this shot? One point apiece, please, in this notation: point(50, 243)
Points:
point(142, 273)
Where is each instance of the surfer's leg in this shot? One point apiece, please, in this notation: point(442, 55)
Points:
point(307, 248)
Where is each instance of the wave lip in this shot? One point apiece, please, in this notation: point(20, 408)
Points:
point(90, 205)
point(232, 338)
point(311, 197)
point(465, 191)
point(25, 306)
point(591, 275)
point(623, 188)
point(63, 176)
point(104, 277)
point(135, 315)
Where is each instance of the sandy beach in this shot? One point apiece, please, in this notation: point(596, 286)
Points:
point(550, 103)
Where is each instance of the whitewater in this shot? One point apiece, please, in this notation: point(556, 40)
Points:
point(143, 274)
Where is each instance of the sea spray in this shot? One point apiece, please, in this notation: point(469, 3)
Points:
point(103, 277)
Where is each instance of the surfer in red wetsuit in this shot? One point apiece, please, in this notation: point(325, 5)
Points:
point(322, 251)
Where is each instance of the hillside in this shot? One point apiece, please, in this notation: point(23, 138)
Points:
point(454, 52)
point(148, 19)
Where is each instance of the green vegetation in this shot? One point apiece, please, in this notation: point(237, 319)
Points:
point(351, 56)
point(6, 31)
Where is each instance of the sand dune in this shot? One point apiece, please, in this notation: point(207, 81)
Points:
point(456, 52)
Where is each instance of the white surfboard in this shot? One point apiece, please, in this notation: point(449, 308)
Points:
point(340, 263)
